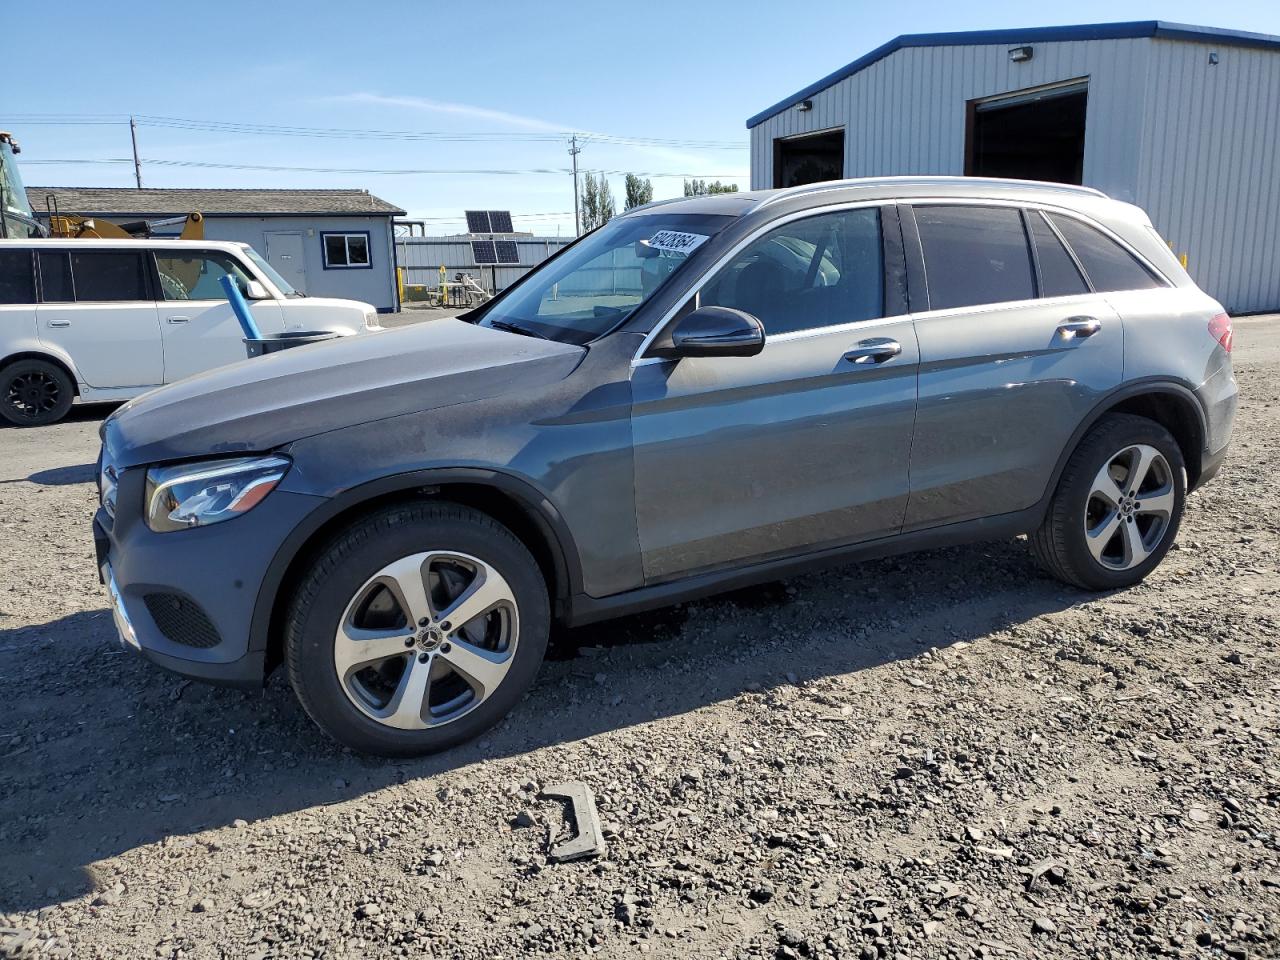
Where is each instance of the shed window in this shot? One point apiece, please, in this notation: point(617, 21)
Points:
point(344, 250)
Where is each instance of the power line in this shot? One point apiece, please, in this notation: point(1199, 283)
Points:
point(284, 130)
point(382, 171)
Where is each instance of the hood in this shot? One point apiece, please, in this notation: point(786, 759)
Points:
point(262, 403)
point(327, 302)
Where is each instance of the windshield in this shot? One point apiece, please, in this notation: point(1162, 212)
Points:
point(283, 285)
point(595, 284)
point(17, 222)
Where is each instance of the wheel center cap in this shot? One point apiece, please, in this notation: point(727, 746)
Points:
point(429, 639)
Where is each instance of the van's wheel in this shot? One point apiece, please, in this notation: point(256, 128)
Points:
point(416, 629)
point(35, 392)
point(1117, 507)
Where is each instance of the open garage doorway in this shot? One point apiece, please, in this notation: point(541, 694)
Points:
point(1033, 134)
point(809, 159)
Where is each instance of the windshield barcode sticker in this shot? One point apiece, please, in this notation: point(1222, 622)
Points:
point(672, 241)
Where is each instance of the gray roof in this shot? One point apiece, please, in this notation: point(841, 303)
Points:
point(160, 202)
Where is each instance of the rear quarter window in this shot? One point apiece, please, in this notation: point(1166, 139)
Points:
point(17, 277)
point(1110, 267)
point(974, 255)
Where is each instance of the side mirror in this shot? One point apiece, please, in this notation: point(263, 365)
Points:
point(253, 290)
point(711, 332)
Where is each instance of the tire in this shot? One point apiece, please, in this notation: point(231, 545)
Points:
point(1097, 536)
point(35, 393)
point(382, 681)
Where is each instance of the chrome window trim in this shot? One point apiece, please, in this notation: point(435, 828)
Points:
point(640, 359)
point(1020, 204)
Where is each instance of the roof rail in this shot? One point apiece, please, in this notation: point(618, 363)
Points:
point(824, 185)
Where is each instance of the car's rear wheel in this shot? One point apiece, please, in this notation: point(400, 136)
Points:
point(34, 393)
point(416, 629)
point(1117, 506)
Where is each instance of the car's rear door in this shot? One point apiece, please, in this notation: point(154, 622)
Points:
point(804, 446)
point(17, 298)
point(199, 328)
point(1015, 350)
point(97, 305)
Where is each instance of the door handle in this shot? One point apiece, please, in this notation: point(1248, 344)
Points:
point(59, 323)
point(179, 319)
point(1077, 328)
point(875, 350)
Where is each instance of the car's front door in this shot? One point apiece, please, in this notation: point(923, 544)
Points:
point(1015, 350)
point(96, 305)
point(807, 444)
point(200, 328)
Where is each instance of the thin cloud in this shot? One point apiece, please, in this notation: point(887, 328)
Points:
point(454, 109)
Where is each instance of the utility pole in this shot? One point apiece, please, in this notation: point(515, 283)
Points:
point(574, 150)
point(137, 164)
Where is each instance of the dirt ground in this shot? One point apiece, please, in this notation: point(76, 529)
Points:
point(941, 755)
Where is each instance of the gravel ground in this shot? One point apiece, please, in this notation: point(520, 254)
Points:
point(942, 755)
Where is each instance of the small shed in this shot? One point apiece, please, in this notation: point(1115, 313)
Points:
point(327, 243)
point(1182, 120)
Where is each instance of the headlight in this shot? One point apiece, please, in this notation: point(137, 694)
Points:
point(198, 494)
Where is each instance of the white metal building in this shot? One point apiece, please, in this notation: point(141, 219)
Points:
point(1183, 121)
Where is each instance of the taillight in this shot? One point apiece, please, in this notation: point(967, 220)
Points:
point(1220, 330)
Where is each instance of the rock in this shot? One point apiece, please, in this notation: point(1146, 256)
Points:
point(367, 910)
point(204, 905)
point(1043, 925)
point(524, 819)
point(762, 892)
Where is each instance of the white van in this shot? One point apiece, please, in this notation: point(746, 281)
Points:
point(110, 319)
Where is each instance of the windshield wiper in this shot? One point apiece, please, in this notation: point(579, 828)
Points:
point(510, 327)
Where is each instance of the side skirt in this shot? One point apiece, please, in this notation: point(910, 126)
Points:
point(585, 609)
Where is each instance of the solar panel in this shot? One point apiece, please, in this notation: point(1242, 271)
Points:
point(478, 221)
point(507, 252)
point(500, 221)
point(483, 252)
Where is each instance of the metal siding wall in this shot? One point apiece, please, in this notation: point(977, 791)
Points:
point(421, 257)
point(1208, 172)
point(906, 113)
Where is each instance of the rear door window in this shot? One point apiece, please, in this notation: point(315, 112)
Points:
point(17, 277)
point(1059, 275)
point(55, 277)
point(108, 276)
point(1110, 266)
point(974, 255)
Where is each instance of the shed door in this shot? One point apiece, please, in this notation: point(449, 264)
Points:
point(1033, 134)
point(284, 252)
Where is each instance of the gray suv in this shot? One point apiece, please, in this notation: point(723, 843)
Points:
point(699, 395)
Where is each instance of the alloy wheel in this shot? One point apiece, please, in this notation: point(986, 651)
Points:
point(32, 394)
point(1130, 505)
point(426, 639)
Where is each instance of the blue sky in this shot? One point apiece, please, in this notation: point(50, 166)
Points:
point(523, 72)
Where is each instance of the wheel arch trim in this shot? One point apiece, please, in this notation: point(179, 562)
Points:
point(534, 504)
point(1157, 386)
point(57, 358)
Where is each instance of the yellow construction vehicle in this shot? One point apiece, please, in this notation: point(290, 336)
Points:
point(17, 219)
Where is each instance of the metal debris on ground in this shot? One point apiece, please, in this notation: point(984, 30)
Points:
point(589, 840)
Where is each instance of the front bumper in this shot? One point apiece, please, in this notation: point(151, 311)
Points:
point(185, 600)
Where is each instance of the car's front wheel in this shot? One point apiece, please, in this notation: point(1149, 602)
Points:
point(416, 629)
point(1117, 507)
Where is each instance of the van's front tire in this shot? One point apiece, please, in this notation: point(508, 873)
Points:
point(416, 629)
point(1117, 506)
point(35, 393)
